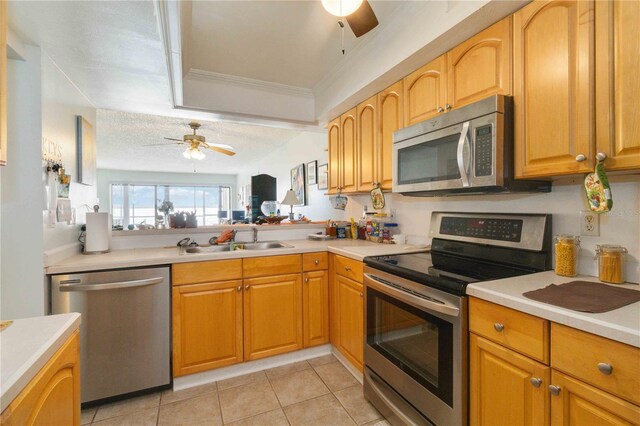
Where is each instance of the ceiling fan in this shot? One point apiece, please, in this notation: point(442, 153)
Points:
point(194, 142)
point(358, 13)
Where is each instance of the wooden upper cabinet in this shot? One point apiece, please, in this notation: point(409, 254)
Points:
point(315, 305)
point(348, 151)
point(334, 155)
point(425, 91)
point(390, 119)
point(553, 54)
point(3, 83)
point(617, 83)
point(367, 144)
point(481, 66)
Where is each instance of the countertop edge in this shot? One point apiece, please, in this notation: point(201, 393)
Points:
point(34, 363)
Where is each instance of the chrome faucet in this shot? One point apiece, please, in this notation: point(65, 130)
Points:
point(255, 235)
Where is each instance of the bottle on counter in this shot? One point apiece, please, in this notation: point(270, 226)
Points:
point(566, 249)
point(611, 260)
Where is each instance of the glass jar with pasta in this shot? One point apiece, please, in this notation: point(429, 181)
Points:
point(611, 259)
point(566, 248)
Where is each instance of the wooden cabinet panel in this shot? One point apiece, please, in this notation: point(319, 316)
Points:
point(500, 388)
point(3, 83)
point(350, 311)
point(202, 272)
point(272, 316)
point(315, 308)
point(207, 326)
point(349, 268)
point(367, 144)
point(521, 332)
point(334, 155)
point(581, 404)
point(348, 151)
point(390, 119)
point(425, 91)
point(617, 83)
point(53, 395)
point(578, 353)
point(315, 261)
point(272, 265)
point(553, 52)
point(481, 66)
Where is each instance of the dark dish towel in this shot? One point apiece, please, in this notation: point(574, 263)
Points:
point(585, 296)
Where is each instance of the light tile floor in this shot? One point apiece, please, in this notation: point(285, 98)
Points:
point(318, 392)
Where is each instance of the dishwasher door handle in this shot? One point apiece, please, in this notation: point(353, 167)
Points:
point(111, 286)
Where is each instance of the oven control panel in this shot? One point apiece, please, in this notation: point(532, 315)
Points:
point(483, 163)
point(487, 228)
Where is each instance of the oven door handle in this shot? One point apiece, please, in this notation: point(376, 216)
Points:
point(463, 154)
point(431, 305)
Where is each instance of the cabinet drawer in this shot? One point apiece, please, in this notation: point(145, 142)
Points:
point(578, 353)
point(202, 272)
point(272, 265)
point(315, 261)
point(521, 332)
point(349, 268)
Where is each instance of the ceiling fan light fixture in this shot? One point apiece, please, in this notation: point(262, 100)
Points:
point(193, 154)
point(341, 7)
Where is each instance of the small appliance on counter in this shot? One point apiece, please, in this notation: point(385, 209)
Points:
point(97, 236)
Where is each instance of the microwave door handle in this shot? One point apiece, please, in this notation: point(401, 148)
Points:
point(463, 143)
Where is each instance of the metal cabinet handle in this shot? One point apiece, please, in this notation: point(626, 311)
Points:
point(317, 262)
point(580, 158)
point(447, 107)
point(601, 156)
point(306, 280)
point(440, 109)
point(361, 295)
point(239, 288)
point(605, 368)
point(347, 268)
point(498, 326)
point(111, 286)
point(247, 287)
point(554, 390)
point(536, 382)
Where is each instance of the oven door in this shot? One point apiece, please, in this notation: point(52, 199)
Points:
point(414, 343)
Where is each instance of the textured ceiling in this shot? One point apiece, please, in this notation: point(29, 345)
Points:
point(121, 137)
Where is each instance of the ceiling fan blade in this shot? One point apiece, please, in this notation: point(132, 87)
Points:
point(220, 150)
point(174, 139)
point(362, 20)
point(161, 144)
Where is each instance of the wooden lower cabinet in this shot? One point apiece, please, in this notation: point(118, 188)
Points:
point(53, 395)
point(272, 316)
point(350, 319)
point(207, 326)
point(315, 308)
point(500, 388)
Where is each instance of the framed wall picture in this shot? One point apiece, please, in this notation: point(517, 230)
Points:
point(311, 172)
point(86, 149)
point(323, 177)
point(298, 183)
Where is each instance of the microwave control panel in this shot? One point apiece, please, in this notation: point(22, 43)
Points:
point(483, 151)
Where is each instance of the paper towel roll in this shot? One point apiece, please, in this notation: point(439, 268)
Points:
point(98, 239)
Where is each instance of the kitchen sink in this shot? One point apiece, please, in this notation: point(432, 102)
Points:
point(265, 245)
point(208, 249)
point(238, 246)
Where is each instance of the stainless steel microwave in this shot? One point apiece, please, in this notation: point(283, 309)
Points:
point(464, 151)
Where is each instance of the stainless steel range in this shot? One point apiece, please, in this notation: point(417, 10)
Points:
point(415, 351)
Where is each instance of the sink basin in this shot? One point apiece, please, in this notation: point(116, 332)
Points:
point(207, 249)
point(239, 246)
point(265, 245)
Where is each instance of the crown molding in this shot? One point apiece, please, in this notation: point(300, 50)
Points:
point(250, 83)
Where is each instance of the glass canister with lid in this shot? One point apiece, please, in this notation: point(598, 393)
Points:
point(566, 249)
point(611, 260)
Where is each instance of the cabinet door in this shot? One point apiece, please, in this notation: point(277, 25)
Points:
point(390, 119)
point(348, 151)
point(500, 387)
point(367, 138)
point(425, 91)
point(315, 308)
point(350, 312)
point(334, 328)
point(272, 315)
point(52, 397)
point(481, 66)
point(207, 326)
point(334, 155)
point(578, 403)
point(553, 52)
point(617, 83)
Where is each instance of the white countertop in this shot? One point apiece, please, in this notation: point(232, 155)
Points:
point(622, 325)
point(26, 346)
point(355, 249)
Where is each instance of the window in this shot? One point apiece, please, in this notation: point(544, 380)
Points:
point(132, 204)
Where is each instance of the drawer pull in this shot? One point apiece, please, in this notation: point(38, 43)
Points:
point(498, 326)
point(554, 390)
point(247, 287)
point(605, 368)
point(536, 382)
point(317, 262)
point(347, 268)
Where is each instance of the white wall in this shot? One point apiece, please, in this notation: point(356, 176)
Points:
point(306, 147)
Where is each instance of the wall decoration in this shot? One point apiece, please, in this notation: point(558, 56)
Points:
point(86, 149)
point(377, 198)
point(323, 176)
point(64, 181)
point(311, 173)
point(64, 210)
point(298, 183)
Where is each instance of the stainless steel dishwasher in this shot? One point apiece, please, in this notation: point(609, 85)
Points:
point(125, 328)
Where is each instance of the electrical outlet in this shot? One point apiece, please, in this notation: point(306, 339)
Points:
point(589, 223)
